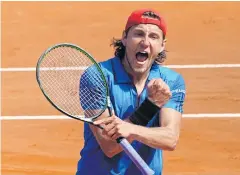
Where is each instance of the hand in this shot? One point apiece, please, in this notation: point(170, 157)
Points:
point(114, 127)
point(158, 92)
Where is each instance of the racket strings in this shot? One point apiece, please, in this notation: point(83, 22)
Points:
point(95, 93)
point(54, 82)
point(73, 89)
point(55, 55)
point(93, 96)
point(63, 53)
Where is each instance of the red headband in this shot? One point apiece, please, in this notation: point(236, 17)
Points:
point(137, 18)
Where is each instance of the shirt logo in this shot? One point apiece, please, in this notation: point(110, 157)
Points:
point(178, 91)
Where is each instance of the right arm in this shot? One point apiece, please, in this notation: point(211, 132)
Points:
point(109, 146)
point(104, 137)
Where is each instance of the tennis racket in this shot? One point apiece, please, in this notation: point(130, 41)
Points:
point(73, 82)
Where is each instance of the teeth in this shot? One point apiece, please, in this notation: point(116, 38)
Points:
point(141, 56)
point(143, 53)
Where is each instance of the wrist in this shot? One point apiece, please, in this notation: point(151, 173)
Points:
point(146, 111)
point(156, 103)
point(138, 132)
point(133, 132)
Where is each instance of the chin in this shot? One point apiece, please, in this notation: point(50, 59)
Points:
point(140, 70)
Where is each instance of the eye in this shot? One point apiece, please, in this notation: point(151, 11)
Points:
point(139, 33)
point(154, 36)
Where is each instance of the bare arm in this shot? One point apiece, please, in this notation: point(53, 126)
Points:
point(108, 145)
point(164, 137)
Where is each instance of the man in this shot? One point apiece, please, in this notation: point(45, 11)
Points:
point(147, 100)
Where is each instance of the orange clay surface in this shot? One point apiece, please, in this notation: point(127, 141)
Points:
point(198, 33)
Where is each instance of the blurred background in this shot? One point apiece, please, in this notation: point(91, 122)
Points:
point(198, 33)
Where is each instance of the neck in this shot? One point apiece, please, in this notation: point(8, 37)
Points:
point(139, 78)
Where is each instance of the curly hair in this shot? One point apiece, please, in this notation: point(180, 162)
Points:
point(120, 48)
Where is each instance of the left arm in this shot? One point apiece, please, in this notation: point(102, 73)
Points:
point(167, 134)
point(164, 137)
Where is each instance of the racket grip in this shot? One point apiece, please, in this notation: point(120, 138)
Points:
point(131, 152)
point(135, 157)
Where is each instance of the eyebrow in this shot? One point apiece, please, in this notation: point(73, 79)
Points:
point(141, 30)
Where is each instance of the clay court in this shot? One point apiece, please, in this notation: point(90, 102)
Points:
point(198, 33)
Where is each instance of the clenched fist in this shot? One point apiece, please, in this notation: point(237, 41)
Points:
point(158, 92)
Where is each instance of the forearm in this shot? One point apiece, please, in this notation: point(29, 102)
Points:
point(140, 117)
point(156, 137)
point(109, 146)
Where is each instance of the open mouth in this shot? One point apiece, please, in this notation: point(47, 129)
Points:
point(141, 56)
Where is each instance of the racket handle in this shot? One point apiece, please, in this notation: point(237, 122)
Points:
point(131, 152)
point(135, 157)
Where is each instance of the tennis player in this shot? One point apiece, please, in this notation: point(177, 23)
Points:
point(147, 100)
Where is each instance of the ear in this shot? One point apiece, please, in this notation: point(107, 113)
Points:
point(124, 36)
point(163, 45)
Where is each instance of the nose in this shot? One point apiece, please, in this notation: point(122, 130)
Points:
point(145, 42)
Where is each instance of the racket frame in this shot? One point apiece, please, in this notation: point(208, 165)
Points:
point(126, 146)
point(41, 58)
